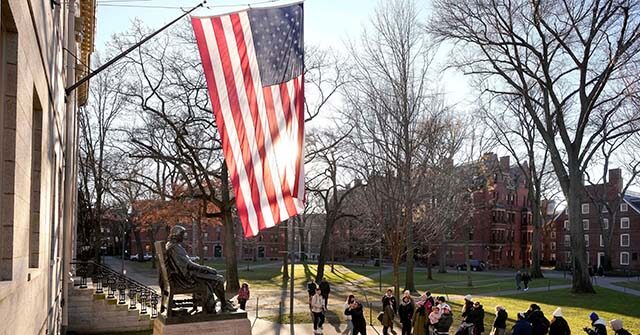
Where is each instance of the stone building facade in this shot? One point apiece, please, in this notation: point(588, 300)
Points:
point(38, 156)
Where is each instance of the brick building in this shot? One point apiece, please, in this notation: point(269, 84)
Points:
point(501, 229)
point(41, 45)
point(620, 218)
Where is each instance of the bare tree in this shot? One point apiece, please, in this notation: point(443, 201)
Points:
point(571, 62)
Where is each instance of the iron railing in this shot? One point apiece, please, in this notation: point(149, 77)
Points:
point(104, 278)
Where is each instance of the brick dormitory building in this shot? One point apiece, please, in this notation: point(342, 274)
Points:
point(621, 219)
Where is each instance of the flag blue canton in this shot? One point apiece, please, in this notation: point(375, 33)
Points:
point(278, 41)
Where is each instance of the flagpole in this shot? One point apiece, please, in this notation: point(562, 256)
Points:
point(71, 88)
point(292, 274)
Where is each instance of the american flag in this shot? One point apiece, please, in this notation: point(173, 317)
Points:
point(253, 62)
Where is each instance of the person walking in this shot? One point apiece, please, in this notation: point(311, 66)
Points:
point(616, 325)
point(522, 326)
point(538, 321)
point(356, 312)
point(350, 299)
point(311, 289)
point(317, 308)
point(500, 322)
point(420, 316)
point(405, 310)
point(325, 289)
point(559, 325)
point(526, 278)
point(243, 296)
point(389, 308)
point(599, 327)
point(445, 321)
point(466, 326)
point(518, 280)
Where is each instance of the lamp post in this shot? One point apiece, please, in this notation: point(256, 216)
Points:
point(380, 263)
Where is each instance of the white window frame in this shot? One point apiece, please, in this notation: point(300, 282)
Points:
point(553, 246)
point(604, 209)
point(565, 226)
point(585, 224)
point(601, 241)
point(585, 208)
point(626, 224)
point(628, 240)
point(624, 207)
point(553, 256)
point(605, 224)
point(624, 253)
point(586, 240)
point(553, 235)
point(567, 239)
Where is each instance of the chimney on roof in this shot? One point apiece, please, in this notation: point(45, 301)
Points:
point(615, 179)
point(504, 163)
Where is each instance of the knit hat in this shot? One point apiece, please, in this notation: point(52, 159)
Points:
point(521, 316)
point(468, 297)
point(616, 324)
point(557, 312)
point(593, 316)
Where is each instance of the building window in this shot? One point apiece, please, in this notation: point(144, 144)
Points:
point(553, 235)
point(585, 224)
point(624, 258)
point(624, 223)
point(588, 258)
point(624, 240)
point(586, 240)
point(605, 224)
point(8, 93)
point(553, 257)
point(36, 167)
point(601, 241)
point(624, 207)
point(553, 246)
point(567, 240)
point(604, 208)
point(565, 226)
point(585, 208)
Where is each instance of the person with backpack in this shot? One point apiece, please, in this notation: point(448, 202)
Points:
point(500, 323)
point(559, 325)
point(539, 323)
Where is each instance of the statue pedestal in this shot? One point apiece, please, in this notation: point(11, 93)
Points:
point(211, 324)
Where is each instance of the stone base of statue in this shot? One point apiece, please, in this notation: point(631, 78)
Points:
point(235, 323)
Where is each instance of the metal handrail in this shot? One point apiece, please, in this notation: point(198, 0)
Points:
point(138, 293)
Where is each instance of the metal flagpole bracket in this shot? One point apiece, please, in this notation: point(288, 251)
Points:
point(82, 80)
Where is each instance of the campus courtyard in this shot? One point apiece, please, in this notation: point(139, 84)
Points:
point(268, 307)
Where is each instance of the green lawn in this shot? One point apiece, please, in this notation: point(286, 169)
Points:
point(633, 284)
point(271, 277)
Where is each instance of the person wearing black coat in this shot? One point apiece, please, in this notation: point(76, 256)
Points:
point(405, 310)
point(324, 290)
point(357, 317)
point(500, 323)
point(311, 289)
point(522, 326)
point(537, 319)
point(559, 325)
point(476, 316)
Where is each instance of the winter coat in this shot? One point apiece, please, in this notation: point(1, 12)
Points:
point(622, 331)
point(389, 307)
point(405, 310)
point(501, 319)
point(559, 326)
point(539, 322)
point(468, 306)
point(317, 304)
point(446, 319)
point(420, 320)
point(243, 293)
point(324, 287)
point(357, 316)
point(599, 328)
point(522, 327)
point(476, 316)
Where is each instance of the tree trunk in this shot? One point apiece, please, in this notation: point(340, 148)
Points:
point(466, 255)
point(442, 267)
point(396, 278)
point(285, 257)
point(429, 272)
point(230, 256)
point(535, 270)
point(324, 246)
point(581, 282)
point(409, 283)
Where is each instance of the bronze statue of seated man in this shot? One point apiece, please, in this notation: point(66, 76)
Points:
point(185, 273)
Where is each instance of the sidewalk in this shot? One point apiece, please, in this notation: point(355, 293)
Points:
point(261, 326)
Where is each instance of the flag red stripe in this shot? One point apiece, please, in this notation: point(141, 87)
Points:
point(298, 84)
point(237, 117)
point(253, 106)
point(217, 110)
